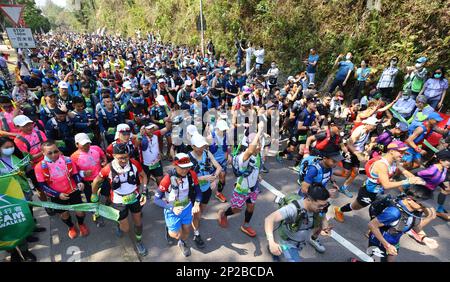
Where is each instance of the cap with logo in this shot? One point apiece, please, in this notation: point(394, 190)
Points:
point(21, 120)
point(182, 160)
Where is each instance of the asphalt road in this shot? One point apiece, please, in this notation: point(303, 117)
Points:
point(227, 245)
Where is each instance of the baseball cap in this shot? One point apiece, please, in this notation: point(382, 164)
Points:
point(63, 85)
point(82, 139)
point(127, 85)
point(36, 71)
point(246, 90)
point(161, 101)
point(397, 145)
point(198, 141)
point(403, 126)
point(443, 155)
point(146, 82)
point(246, 103)
point(21, 120)
point(123, 127)
point(371, 121)
point(161, 80)
point(151, 125)
point(188, 82)
point(290, 78)
point(422, 60)
point(336, 156)
point(222, 125)
point(49, 93)
point(435, 116)
point(182, 160)
point(120, 148)
point(202, 78)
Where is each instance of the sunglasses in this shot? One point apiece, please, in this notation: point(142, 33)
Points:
point(182, 161)
point(125, 132)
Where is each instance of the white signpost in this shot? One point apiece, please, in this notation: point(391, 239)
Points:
point(21, 37)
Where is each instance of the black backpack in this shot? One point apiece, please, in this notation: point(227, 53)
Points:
point(382, 202)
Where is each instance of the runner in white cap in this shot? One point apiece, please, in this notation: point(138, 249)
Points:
point(182, 197)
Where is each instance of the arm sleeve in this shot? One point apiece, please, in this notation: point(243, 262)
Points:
point(47, 190)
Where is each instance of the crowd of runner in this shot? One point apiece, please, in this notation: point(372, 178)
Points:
point(98, 115)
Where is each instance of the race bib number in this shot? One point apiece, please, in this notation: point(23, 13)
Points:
point(129, 199)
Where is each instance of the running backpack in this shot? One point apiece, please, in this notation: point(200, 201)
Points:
point(306, 162)
point(369, 164)
point(301, 212)
point(321, 145)
point(382, 202)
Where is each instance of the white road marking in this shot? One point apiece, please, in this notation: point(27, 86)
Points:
point(341, 240)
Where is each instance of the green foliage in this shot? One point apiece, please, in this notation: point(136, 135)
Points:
point(33, 17)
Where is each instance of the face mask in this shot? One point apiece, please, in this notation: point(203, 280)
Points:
point(348, 57)
point(8, 151)
point(437, 75)
point(273, 66)
point(418, 66)
point(47, 159)
point(405, 97)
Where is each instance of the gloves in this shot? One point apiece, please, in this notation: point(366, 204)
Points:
point(94, 198)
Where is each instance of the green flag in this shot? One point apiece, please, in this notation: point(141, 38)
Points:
point(16, 221)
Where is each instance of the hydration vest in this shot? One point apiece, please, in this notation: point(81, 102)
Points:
point(46, 169)
point(25, 141)
point(132, 177)
point(324, 143)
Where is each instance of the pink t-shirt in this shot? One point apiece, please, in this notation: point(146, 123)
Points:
point(89, 161)
point(9, 120)
point(59, 180)
point(34, 141)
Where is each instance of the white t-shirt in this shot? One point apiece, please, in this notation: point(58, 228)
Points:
point(151, 155)
point(251, 180)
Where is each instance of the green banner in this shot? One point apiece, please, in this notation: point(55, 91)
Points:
point(16, 221)
point(99, 209)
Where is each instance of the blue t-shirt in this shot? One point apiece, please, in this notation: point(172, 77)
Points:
point(312, 59)
point(362, 74)
point(344, 67)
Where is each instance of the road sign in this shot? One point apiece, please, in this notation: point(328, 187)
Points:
point(13, 12)
point(21, 37)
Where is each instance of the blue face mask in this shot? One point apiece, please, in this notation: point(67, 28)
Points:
point(437, 75)
point(8, 151)
point(47, 159)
